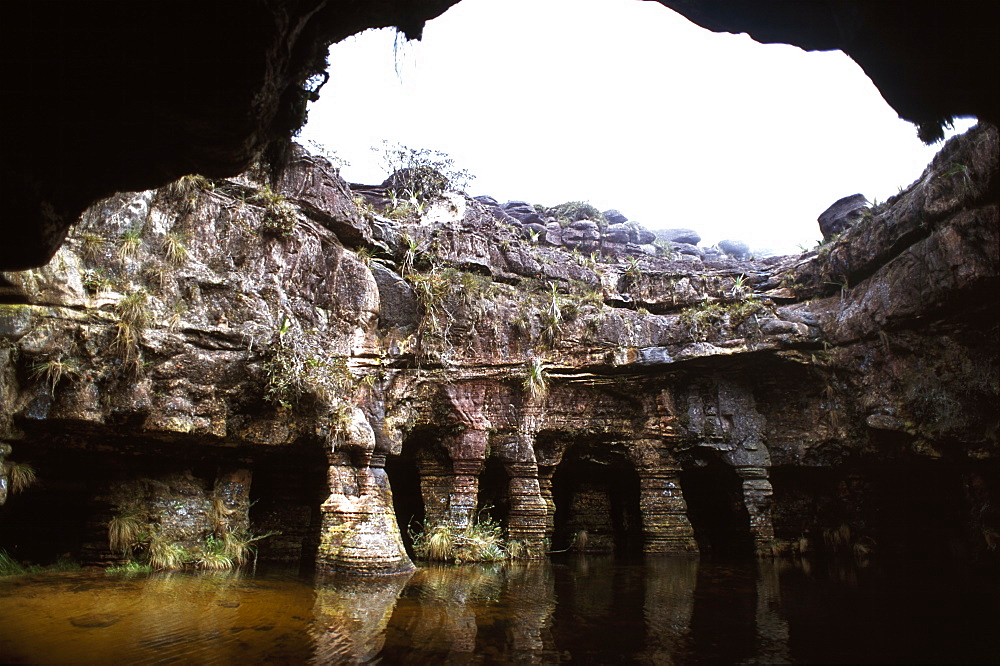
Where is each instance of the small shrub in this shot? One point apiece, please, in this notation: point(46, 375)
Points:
point(166, 554)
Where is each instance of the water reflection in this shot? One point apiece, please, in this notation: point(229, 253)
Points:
point(659, 610)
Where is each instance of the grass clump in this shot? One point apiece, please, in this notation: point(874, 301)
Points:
point(54, 369)
point(174, 248)
point(129, 244)
point(129, 568)
point(481, 541)
point(20, 476)
point(536, 383)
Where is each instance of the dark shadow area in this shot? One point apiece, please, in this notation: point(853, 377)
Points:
point(494, 492)
point(714, 496)
point(407, 500)
point(286, 493)
point(596, 493)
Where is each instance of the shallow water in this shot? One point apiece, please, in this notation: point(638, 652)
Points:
point(657, 610)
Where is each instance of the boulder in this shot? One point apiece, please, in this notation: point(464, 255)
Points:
point(553, 233)
point(399, 307)
point(641, 235)
point(539, 229)
point(487, 200)
point(583, 235)
point(842, 214)
point(688, 249)
point(614, 217)
point(736, 249)
point(617, 233)
point(679, 236)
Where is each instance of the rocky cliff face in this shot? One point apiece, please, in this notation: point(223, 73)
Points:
point(222, 358)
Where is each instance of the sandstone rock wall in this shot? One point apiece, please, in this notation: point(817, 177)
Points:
point(315, 337)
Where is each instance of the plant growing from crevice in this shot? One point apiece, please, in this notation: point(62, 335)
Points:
point(20, 476)
point(133, 318)
point(280, 216)
point(536, 382)
point(54, 369)
point(129, 244)
point(174, 249)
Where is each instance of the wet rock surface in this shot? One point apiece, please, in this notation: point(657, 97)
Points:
point(372, 370)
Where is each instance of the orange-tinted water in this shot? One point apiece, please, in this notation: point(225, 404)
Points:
point(590, 610)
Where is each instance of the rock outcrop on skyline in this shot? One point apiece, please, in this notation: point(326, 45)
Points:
point(340, 365)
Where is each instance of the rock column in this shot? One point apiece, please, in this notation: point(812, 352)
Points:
point(665, 524)
point(468, 452)
point(530, 520)
point(757, 493)
point(359, 534)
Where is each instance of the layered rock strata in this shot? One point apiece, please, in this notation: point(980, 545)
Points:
point(374, 368)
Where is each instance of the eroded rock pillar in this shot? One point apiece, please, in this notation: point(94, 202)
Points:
point(665, 524)
point(530, 520)
point(359, 533)
point(757, 494)
point(468, 453)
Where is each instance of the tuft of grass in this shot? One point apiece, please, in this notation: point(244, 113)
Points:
point(133, 318)
point(54, 369)
point(125, 531)
point(20, 476)
point(174, 248)
point(535, 381)
point(92, 245)
point(166, 554)
point(11, 567)
point(129, 568)
point(481, 541)
point(129, 244)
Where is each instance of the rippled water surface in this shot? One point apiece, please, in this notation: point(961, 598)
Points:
point(581, 609)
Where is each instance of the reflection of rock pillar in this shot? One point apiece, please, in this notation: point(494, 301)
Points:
point(757, 493)
point(468, 452)
point(529, 518)
point(359, 533)
point(772, 628)
point(669, 606)
point(351, 616)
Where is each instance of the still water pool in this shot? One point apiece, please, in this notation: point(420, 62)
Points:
point(597, 610)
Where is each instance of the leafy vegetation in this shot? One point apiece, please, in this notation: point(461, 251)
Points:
point(420, 174)
point(296, 366)
point(708, 316)
point(571, 211)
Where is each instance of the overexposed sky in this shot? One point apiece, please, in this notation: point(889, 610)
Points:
point(627, 105)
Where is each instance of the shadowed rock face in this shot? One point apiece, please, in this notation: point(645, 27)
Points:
point(108, 96)
point(593, 402)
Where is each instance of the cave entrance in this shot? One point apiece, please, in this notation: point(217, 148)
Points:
point(713, 492)
point(286, 493)
point(494, 493)
point(420, 474)
point(407, 499)
point(596, 493)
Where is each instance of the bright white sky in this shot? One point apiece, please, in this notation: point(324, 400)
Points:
point(627, 105)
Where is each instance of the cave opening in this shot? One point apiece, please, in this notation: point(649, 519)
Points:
point(596, 493)
point(407, 499)
point(494, 493)
point(286, 493)
point(713, 492)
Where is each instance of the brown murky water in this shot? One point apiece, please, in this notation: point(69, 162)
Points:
point(583, 609)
